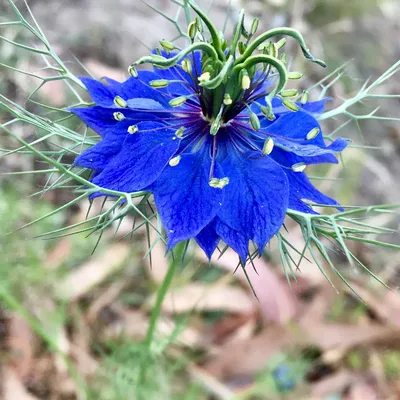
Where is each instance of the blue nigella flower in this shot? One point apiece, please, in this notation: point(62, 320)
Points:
point(209, 134)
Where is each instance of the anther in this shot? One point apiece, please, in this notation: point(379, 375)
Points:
point(304, 97)
point(205, 77)
point(187, 66)
point(289, 93)
point(119, 116)
point(192, 29)
point(218, 183)
point(179, 132)
point(254, 121)
point(254, 26)
point(133, 129)
point(120, 102)
point(178, 101)
point(227, 99)
point(132, 71)
point(281, 43)
point(290, 105)
point(294, 75)
point(166, 45)
point(273, 50)
point(268, 147)
point(245, 80)
point(173, 162)
point(312, 134)
point(159, 83)
point(299, 167)
point(242, 47)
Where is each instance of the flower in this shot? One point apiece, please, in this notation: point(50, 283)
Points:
point(221, 149)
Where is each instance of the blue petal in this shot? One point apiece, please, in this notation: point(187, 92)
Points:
point(133, 88)
point(314, 108)
point(234, 239)
point(256, 197)
point(98, 156)
point(287, 159)
point(185, 200)
point(310, 150)
point(102, 120)
point(139, 88)
point(301, 188)
point(142, 158)
point(101, 94)
point(295, 126)
point(98, 118)
point(208, 239)
point(289, 133)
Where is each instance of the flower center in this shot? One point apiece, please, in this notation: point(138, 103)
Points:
point(231, 76)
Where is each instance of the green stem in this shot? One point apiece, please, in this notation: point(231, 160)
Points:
point(162, 291)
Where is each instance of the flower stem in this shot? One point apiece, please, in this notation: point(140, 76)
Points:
point(162, 291)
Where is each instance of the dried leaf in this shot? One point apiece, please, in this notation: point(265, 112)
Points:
point(82, 280)
point(13, 389)
point(202, 297)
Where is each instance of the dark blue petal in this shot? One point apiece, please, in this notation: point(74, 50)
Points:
point(314, 108)
point(133, 88)
point(185, 200)
point(141, 159)
point(289, 133)
point(139, 88)
point(302, 189)
point(233, 239)
point(287, 159)
point(98, 156)
point(295, 126)
point(101, 94)
point(308, 149)
point(298, 205)
point(98, 118)
point(208, 239)
point(256, 197)
point(102, 120)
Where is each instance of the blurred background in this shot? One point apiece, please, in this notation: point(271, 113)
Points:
point(71, 322)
